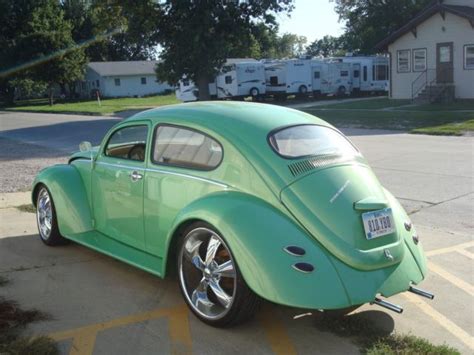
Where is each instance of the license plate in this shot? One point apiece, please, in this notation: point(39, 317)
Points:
point(378, 223)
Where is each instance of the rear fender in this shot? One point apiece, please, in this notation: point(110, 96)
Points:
point(70, 198)
point(257, 233)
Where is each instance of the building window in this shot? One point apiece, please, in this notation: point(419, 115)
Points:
point(143, 81)
point(317, 75)
point(469, 56)
point(228, 79)
point(117, 81)
point(419, 59)
point(98, 83)
point(356, 73)
point(344, 73)
point(403, 61)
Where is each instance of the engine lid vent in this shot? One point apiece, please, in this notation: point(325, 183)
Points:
point(306, 165)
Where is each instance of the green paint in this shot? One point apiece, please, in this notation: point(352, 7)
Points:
point(254, 201)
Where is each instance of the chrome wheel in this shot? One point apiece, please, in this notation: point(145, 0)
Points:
point(207, 273)
point(44, 214)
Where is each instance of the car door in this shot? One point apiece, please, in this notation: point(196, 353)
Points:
point(117, 184)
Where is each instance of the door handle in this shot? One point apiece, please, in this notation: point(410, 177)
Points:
point(135, 176)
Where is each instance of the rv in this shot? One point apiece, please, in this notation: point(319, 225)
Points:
point(330, 78)
point(240, 79)
point(285, 77)
point(368, 74)
point(186, 90)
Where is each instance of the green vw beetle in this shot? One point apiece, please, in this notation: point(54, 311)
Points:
point(246, 201)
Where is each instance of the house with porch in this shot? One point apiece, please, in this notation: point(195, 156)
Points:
point(122, 78)
point(432, 55)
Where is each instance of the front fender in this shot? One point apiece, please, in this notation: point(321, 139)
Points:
point(69, 196)
point(256, 233)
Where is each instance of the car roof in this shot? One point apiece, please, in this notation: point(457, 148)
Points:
point(229, 118)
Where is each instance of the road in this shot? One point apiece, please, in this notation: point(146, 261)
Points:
point(100, 305)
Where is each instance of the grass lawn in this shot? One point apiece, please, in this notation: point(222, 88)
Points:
point(108, 106)
point(436, 119)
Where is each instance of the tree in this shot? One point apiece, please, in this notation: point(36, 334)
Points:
point(196, 37)
point(370, 21)
point(328, 46)
point(37, 40)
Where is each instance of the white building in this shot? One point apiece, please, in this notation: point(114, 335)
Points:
point(432, 56)
point(115, 79)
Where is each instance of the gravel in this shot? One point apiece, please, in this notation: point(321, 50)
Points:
point(20, 162)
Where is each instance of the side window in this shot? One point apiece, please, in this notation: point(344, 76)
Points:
point(365, 73)
point(356, 73)
point(228, 79)
point(128, 143)
point(317, 75)
point(186, 148)
point(344, 73)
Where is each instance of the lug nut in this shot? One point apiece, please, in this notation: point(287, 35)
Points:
point(407, 226)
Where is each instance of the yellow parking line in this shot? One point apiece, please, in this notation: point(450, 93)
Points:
point(446, 323)
point(463, 285)
point(84, 337)
point(83, 344)
point(450, 249)
point(275, 332)
point(180, 334)
point(465, 253)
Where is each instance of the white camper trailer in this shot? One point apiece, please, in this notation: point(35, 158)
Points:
point(292, 76)
point(240, 79)
point(187, 90)
point(368, 74)
point(330, 78)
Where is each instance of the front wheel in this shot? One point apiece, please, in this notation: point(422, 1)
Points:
point(210, 280)
point(46, 219)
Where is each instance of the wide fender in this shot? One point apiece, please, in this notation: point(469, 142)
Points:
point(257, 233)
point(69, 196)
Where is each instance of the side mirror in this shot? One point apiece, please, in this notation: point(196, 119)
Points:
point(85, 146)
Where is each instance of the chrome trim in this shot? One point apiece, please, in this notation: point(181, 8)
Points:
point(119, 166)
point(294, 266)
point(408, 226)
point(421, 292)
point(294, 254)
point(415, 238)
point(209, 181)
point(383, 303)
point(44, 214)
point(188, 176)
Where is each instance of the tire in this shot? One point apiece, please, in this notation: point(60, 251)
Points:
point(341, 91)
point(303, 90)
point(218, 298)
point(254, 92)
point(46, 219)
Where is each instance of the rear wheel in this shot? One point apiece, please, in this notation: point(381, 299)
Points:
point(341, 91)
point(46, 219)
point(210, 279)
point(254, 92)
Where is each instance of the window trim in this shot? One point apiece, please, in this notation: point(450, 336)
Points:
point(413, 59)
point(464, 55)
point(103, 152)
point(409, 61)
point(288, 157)
point(154, 162)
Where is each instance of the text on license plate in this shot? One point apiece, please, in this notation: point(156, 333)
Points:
point(378, 223)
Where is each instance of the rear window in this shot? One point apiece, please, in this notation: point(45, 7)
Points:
point(305, 140)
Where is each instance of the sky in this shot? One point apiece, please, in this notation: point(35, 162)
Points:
point(312, 19)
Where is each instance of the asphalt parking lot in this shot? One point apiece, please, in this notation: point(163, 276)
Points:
point(103, 306)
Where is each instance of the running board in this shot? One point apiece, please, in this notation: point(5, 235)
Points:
point(383, 303)
point(420, 292)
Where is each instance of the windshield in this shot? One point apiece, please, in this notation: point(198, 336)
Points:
point(303, 140)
